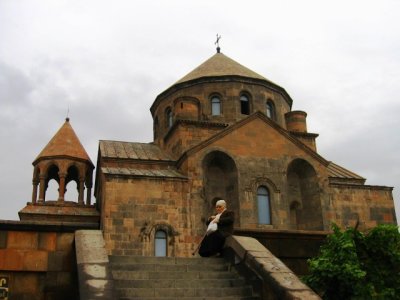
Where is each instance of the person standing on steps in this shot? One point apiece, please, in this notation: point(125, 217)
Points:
point(220, 226)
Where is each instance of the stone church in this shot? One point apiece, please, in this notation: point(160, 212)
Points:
point(220, 132)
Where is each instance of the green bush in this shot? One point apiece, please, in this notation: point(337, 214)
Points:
point(356, 265)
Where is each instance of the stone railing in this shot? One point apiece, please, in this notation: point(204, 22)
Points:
point(277, 280)
point(94, 274)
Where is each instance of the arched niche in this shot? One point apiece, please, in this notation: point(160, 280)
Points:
point(304, 197)
point(220, 182)
point(187, 108)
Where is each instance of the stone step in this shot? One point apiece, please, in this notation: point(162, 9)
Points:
point(169, 267)
point(180, 283)
point(124, 259)
point(177, 278)
point(141, 293)
point(133, 275)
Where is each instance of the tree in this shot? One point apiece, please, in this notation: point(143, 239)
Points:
point(356, 265)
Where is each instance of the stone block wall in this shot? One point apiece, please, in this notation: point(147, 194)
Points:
point(186, 134)
point(38, 260)
point(262, 157)
point(229, 93)
point(135, 208)
point(371, 205)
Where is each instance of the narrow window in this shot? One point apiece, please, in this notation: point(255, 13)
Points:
point(160, 243)
point(264, 215)
point(215, 106)
point(169, 118)
point(244, 105)
point(155, 128)
point(270, 110)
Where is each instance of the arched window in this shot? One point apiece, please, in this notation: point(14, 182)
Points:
point(264, 214)
point(160, 243)
point(169, 117)
point(215, 106)
point(244, 105)
point(270, 110)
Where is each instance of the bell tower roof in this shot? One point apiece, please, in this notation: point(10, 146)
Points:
point(65, 143)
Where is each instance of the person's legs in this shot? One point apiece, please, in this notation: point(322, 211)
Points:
point(205, 246)
point(212, 244)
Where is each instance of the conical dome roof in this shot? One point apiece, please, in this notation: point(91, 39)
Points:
point(64, 143)
point(220, 65)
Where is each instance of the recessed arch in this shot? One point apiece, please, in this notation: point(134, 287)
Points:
point(186, 108)
point(220, 182)
point(303, 188)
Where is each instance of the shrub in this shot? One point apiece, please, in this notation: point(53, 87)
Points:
point(356, 265)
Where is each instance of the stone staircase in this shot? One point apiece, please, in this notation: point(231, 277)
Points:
point(171, 278)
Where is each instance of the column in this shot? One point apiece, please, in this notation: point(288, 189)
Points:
point(88, 195)
point(42, 189)
point(35, 184)
point(81, 190)
point(61, 188)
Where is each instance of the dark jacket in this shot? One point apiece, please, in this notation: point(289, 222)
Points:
point(225, 223)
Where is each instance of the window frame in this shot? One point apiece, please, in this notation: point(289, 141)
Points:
point(263, 208)
point(270, 110)
point(244, 104)
point(157, 245)
point(217, 97)
point(169, 117)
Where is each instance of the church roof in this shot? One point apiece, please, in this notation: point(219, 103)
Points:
point(64, 143)
point(129, 150)
point(336, 171)
point(133, 172)
point(220, 65)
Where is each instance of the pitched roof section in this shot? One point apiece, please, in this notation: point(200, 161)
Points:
point(64, 143)
point(220, 65)
point(243, 122)
point(338, 172)
point(128, 150)
point(132, 172)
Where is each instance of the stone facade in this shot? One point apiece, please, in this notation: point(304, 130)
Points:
point(224, 131)
point(38, 260)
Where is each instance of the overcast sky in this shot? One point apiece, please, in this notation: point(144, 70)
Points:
point(106, 61)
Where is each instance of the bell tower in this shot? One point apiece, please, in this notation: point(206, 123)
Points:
point(63, 159)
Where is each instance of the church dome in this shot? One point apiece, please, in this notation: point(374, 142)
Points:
point(219, 68)
point(220, 65)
